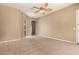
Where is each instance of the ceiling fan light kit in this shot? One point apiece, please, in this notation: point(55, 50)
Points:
point(42, 9)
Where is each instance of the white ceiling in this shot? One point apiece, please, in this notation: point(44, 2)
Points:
point(27, 8)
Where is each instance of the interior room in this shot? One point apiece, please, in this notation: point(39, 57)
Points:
point(39, 28)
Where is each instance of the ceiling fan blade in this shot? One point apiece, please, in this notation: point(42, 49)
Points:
point(46, 5)
point(36, 7)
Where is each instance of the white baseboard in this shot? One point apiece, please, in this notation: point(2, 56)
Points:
point(9, 41)
point(40, 36)
point(59, 39)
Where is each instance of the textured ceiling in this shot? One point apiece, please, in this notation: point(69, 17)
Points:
point(27, 8)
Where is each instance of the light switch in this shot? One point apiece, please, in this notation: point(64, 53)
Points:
point(74, 28)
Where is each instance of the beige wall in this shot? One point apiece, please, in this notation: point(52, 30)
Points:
point(59, 24)
point(10, 23)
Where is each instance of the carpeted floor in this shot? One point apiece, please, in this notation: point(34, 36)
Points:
point(38, 46)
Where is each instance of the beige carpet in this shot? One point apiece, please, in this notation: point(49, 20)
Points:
point(38, 46)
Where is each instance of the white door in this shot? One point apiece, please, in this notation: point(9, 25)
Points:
point(77, 26)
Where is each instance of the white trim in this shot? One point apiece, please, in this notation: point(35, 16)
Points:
point(39, 36)
point(77, 26)
point(59, 39)
point(9, 41)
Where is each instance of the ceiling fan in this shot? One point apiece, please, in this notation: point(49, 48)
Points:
point(42, 9)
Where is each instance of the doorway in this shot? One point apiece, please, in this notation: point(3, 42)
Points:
point(33, 27)
point(77, 26)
